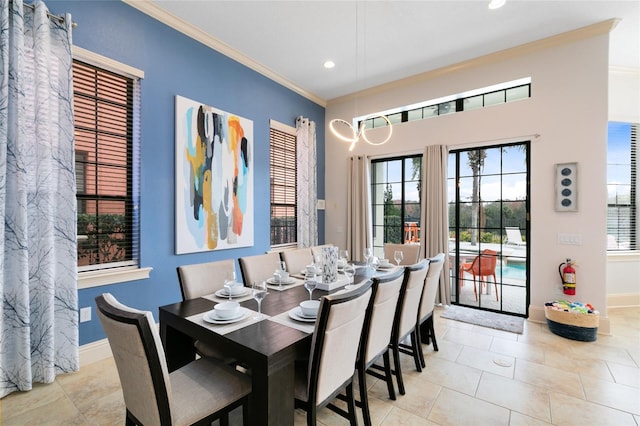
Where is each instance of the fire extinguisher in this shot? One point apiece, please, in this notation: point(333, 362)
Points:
point(568, 277)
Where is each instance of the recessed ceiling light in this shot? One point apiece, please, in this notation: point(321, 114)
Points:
point(496, 4)
point(329, 64)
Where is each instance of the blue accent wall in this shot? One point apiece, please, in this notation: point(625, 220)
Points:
point(175, 64)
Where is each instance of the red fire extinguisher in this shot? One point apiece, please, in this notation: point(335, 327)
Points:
point(568, 277)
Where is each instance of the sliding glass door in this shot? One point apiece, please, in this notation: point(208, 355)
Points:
point(488, 190)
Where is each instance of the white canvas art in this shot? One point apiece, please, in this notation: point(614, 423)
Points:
point(214, 178)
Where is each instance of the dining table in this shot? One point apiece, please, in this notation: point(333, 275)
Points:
point(267, 347)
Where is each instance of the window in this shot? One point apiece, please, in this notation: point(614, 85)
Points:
point(105, 113)
point(283, 172)
point(622, 208)
point(395, 198)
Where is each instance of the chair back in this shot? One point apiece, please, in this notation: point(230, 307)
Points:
point(317, 250)
point(410, 253)
point(410, 297)
point(258, 268)
point(514, 236)
point(485, 264)
point(137, 351)
point(297, 259)
point(380, 314)
point(431, 286)
point(200, 279)
point(335, 343)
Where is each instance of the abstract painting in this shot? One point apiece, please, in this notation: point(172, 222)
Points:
point(214, 178)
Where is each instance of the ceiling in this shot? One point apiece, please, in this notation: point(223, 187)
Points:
point(375, 42)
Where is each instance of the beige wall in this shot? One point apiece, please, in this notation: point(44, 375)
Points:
point(568, 109)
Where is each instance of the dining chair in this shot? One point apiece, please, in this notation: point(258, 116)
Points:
point(482, 266)
point(259, 267)
point(331, 367)
point(404, 326)
point(297, 259)
point(198, 393)
point(376, 336)
point(426, 332)
point(410, 253)
point(203, 279)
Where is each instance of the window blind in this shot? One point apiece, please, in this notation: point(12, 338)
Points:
point(283, 172)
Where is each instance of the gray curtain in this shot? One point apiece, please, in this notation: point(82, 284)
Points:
point(38, 269)
point(307, 186)
point(435, 227)
point(359, 233)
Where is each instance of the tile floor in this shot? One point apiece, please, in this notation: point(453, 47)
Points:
point(480, 376)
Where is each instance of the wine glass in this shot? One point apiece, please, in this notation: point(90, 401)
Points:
point(278, 275)
point(367, 252)
point(344, 254)
point(350, 271)
point(398, 256)
point(229, 282)
point(259, 293)
point(310, 282)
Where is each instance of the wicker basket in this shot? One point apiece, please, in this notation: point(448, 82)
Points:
point(573, 325)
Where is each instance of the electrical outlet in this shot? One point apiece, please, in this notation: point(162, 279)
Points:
point(85, 314)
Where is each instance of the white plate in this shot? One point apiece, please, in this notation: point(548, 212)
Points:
point(223, 293)
point(297, 315)
point(274, 281)
point(386, 266)
point(212, 318)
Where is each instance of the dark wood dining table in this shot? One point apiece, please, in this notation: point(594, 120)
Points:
point(267, 347)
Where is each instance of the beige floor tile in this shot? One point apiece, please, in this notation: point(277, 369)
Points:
point(621, 397)
point(550, 378)
point(447, 350)
point(583, 366)
point(57, 411)
point(96, 381)
point(41, 395)
point(518, 396)
point(419, 398)
point(569, 411)
point(453, 376)
point(492, 362)
point(454, 408)
point(495, 333)
point(517, 350)
point(625, 375)
point(468, 338)
point(519, 419)
point(603, 352)
point(398, 417)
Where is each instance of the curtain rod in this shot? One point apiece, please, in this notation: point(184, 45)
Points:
point(50, 15)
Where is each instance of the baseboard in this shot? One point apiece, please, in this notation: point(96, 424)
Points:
point(536, 314)
point(94, 351)
point(623, 300)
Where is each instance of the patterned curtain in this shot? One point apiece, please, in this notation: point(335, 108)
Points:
point(307, 183)
point(435, 219)
point(38, 272)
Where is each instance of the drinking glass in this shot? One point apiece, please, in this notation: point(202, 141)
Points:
point(229, 282)
point(310, 283)
point(278, 274)
point(344, 254)
point(259, 293)
point(398, 256)
point(350, 271)
point(368, 252)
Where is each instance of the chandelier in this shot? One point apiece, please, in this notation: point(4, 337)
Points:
point(352, 136)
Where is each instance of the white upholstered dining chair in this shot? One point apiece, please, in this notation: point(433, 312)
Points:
point(410, 253)
point(203, 279)
point(259, 267)
point(426, 332)
point(297, 260)
point(406, 315)
point(376, 336)
point(198, 393)
point(330, 369)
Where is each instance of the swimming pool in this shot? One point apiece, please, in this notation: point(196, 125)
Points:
point(517, 271)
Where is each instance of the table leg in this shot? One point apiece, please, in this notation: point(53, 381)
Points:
point(178, 347)
point(277, 408)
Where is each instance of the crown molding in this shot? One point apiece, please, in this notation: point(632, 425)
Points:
point(583, 33)
point(151, 9)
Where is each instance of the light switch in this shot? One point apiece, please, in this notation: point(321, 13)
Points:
point(85, 314)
